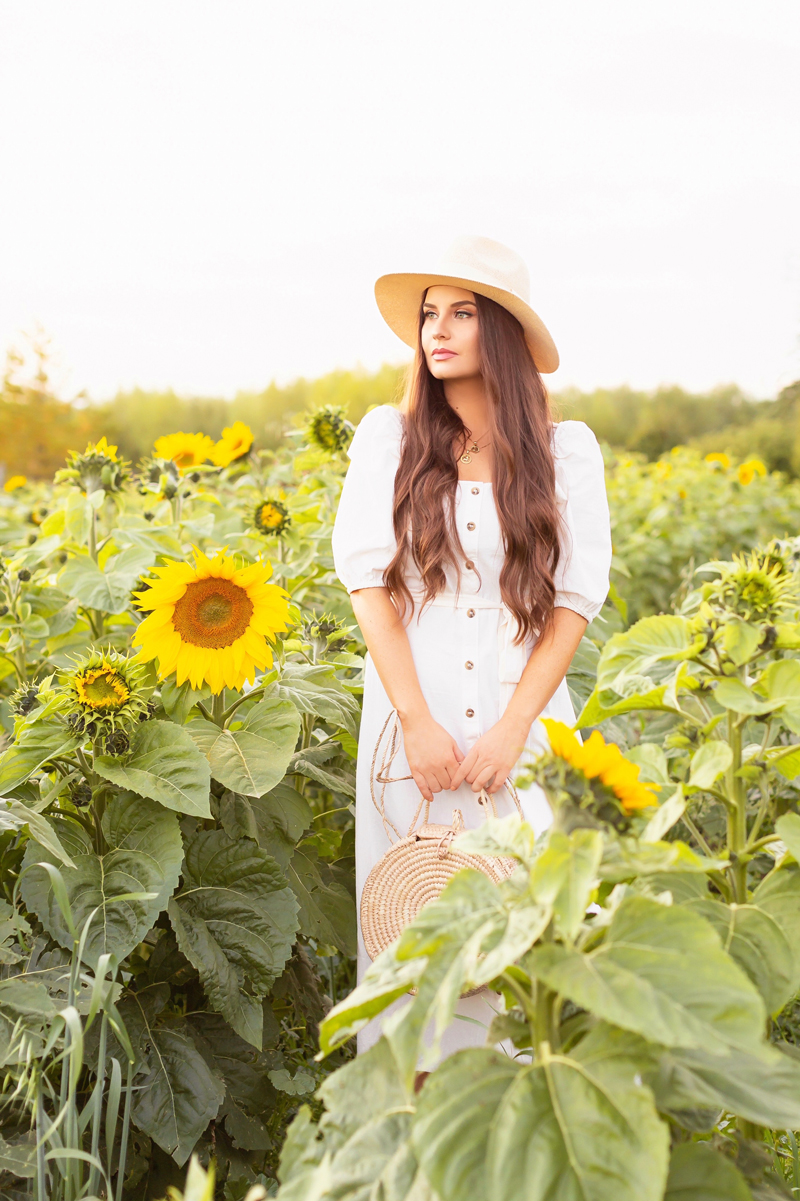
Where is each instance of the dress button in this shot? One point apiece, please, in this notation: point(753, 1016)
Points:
point(475, 491)
point(469, 564)
point(469, 666)
point(470, 612)
point(470, 712)
point(470, 525)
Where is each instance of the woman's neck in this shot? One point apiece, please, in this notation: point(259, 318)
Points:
point(468, 398)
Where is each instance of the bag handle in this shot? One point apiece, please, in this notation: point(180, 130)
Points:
point(382, 777)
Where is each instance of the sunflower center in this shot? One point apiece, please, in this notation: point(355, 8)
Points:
point(184, 458)
point(212, 613)
point(103, 689)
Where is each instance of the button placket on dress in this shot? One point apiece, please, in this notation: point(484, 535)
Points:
point(470, 618)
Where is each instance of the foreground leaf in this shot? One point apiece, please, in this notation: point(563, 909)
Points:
point(163, 764)
point(566, 1130)
point(235, 919)
point(758, 944)
point(698, 1173)
point(661, 972)
point(778, 895)
point(144, 855)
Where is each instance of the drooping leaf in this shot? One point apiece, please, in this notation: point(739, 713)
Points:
point(307, 762)
point(314, 689)
point(235, 919)
point(758, 944)
point(761, 1086)
point(253, 758)
point(180, 1094)
point(107, 589)
point(144, 856)
point(327, 911)
point(178, 702)
point(662, 973)
point(564, 876)
point(36, 746)
point(698, 1173)
point(709, 762)
point(163, 764)
point(15, 816)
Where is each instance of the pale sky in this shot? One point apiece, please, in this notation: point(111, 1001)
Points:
point(200, 194)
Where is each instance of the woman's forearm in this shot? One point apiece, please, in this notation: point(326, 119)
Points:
point(389, 648)
point(545, 669)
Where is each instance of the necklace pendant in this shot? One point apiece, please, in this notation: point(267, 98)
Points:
point(474, 449)
point(465, 458)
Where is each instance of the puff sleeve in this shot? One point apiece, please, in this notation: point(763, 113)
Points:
point(363, 535)
point(581, 578)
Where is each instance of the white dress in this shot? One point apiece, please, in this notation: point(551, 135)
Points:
point(462, 645)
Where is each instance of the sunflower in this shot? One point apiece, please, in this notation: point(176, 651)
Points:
point(104, 694)
point(98, 467)
point(749, 470)
point(185, 450)
point(209, 621)
point(271, 517)
point(720, 458)
point(598, 759)
point(235, 442)
point(14, 482)
point(329, 429)
point(757, 587)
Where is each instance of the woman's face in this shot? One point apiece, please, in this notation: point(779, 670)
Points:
point(450, 340)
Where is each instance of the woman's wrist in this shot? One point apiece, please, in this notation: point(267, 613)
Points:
point(517, 724)
point(414, 714)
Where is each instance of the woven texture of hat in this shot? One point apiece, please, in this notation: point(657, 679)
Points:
point(412, 872)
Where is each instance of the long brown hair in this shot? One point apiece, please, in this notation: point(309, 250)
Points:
point(524, 476)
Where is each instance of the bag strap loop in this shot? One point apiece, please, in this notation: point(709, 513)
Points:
point(381, 776)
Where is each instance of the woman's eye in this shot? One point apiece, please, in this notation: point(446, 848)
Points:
point(463, 313)
point(428, 313)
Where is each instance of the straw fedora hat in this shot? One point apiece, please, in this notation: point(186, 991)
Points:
point(480, 265)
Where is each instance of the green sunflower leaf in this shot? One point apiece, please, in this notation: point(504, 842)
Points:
point(163, 764)
point(253, 758)
point(144, 856)
point(235, 919)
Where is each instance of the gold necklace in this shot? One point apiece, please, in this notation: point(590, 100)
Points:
point(475, 449)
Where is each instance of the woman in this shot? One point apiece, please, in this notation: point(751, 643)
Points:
point(473, 536)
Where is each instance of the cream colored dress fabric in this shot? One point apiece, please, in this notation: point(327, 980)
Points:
point(462, 644)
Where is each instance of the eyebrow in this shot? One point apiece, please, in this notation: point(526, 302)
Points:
point(457, 304)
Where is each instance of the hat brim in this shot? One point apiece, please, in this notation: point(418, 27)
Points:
point(399, 296)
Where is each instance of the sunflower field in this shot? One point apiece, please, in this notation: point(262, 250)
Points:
point(180, 681)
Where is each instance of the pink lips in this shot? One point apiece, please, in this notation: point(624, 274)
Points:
point(443, 354)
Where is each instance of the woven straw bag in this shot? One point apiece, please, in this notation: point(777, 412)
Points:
point(415, 868)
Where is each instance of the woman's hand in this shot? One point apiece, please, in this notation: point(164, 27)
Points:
point(433, 756)
point(493, 756)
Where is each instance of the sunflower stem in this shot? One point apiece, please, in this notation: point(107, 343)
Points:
point(93, 534)
point(218, 709)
